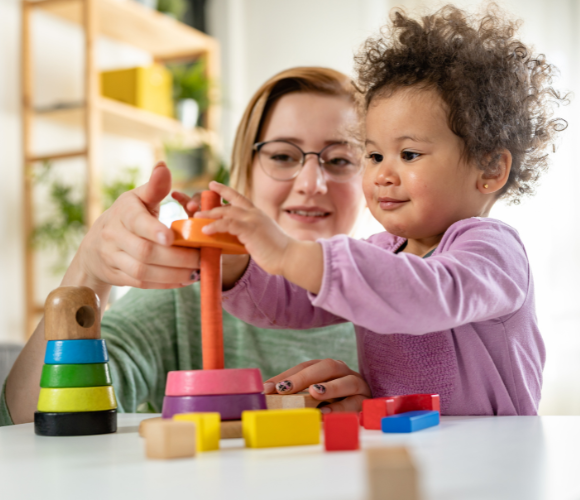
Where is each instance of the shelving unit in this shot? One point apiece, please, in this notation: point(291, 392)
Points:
point(131, 23)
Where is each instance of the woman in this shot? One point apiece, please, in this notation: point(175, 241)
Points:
point(148, 333)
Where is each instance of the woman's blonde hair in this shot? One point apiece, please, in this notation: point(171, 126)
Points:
point(303, 79)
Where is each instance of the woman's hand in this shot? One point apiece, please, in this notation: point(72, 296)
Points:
point(325, 379)
point(128, 246)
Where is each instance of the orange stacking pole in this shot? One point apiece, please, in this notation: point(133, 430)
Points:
point(212, 336)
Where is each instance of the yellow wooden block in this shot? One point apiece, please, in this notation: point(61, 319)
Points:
point(148, 88)
point(77, 399)
point(170, 439)
point(270, 428)
point(207, 428)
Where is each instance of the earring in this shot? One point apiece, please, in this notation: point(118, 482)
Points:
point(485, 186)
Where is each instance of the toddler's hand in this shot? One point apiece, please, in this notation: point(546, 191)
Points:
point(263, 238)
point(324, 379)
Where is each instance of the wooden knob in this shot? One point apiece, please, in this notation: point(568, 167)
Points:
point(72, 312)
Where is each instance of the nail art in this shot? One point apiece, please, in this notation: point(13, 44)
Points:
point(320, 389)
point(194, 276)
point(284, 386)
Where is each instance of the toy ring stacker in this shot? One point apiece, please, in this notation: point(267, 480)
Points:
point(188, 234)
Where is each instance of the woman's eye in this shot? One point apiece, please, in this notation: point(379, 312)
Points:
point(375, 157)
point(409, 155)
point(282, 158)
point(339, 162)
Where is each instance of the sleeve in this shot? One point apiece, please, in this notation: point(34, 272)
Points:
point(140, 330)
point(268, 301)
point(479, 272)
point(5, 417)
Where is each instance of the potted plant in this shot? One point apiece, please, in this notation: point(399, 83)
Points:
point(191, 88)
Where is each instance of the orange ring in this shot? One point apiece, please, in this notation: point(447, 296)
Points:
point(188, 234)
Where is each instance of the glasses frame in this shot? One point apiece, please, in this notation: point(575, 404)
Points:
point(258, 145)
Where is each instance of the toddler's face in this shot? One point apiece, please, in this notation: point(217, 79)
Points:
point(415, 182)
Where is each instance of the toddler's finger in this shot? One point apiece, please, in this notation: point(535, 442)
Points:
point(352, 403)
point(324, 370)
point(340, 388)
point(270, 384)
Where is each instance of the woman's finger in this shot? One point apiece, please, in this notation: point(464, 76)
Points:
point(349, 385)
point(352, 403)
point(270, 384)
point(138, 220)
point(190, 204)
point(230, 195)
point(324, 370)
point(149, 273)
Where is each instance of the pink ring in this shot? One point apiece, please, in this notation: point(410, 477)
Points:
point(208, 382)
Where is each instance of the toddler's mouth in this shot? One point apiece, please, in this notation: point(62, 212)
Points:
point(390, 203)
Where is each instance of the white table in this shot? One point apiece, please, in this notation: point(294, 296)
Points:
point(464, 458)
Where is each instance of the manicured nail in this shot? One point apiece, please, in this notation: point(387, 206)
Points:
point(320, 389)
point(269, 387)
point(284, 386)
point(325, 409)
point(161, 238)
point(194, 275)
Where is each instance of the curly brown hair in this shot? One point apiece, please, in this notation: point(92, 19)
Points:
point(497, 92)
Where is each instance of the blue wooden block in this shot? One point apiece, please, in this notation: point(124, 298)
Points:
point(66, 352)
point(410, 421)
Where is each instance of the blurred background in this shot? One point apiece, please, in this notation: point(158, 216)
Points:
point(170, 80)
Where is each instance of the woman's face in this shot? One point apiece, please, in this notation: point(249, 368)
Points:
point(309, 206)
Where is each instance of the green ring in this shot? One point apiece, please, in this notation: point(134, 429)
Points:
point(77, 375)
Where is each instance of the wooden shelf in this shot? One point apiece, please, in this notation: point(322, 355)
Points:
point(130, 22)
point(122, 119)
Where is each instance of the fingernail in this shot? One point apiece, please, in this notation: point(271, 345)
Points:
point(161, 238)
point(269, 387)
point(325, 410)
point(320, 389)
point(284, 386)
point(159, 164)
point(194, 276)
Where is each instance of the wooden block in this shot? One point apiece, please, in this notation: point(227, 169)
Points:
point(391, 474)
point(214, 382)
point(68, 352)
point(77, 375)
point(72, 312)
point(231, 429)
point(410, 421)
point(341, 431)
point(85, 423)
point(207, 429)
point(77, 399)
point(375, 409)
point(229, 406)
point(170, 439)
point(145, 423)
point(188, 234)
point(291, 401)
point(271, 428)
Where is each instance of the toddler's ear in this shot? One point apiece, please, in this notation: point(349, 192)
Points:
point(494, 181)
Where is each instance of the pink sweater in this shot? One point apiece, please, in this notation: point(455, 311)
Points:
point(460, 323)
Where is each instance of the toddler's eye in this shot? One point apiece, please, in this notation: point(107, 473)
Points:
point(375, 157)
point(409, 155)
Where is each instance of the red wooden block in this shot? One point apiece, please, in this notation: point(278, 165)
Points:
point(375, 409)
point(341, 431)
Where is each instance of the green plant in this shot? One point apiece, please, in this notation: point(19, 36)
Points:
point(65, 228)
point(173, 8)
point(190, 81)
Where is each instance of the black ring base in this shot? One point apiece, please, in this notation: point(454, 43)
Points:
point(75, 424)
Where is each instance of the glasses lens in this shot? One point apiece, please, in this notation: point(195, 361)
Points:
point(341, 161)
point(280, 160)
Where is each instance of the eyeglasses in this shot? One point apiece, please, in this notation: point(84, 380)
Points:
point(282, 160)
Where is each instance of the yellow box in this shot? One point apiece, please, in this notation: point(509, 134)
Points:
point(77, 399)
point(270, 428)
point(148, 88)
point(207, 429)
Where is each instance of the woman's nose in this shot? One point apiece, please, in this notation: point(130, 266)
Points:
point(311, 179)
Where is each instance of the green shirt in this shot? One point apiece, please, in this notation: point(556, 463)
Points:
point(152, 332)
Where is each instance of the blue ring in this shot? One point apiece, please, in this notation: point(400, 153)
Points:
point(68, 352)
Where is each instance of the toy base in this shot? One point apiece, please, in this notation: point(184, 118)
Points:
point(75, 424)
point(229, 406)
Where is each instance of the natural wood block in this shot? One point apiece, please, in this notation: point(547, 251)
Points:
point(75, 375)
point(391, 474)
point(207, 429)
point(145, 423)
point(271, 428)
point(231, 429)
point(214, 382)
point(290, 401)
point(77, 399)
point(170, 439)
point(72, 312)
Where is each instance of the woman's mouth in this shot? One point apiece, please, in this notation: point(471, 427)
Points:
point(390, 203)
point(307, 214)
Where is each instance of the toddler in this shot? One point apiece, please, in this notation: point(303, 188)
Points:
point(458, 116)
